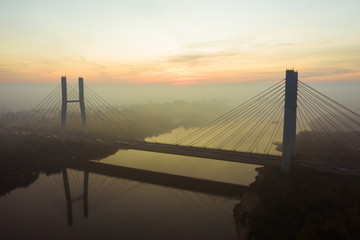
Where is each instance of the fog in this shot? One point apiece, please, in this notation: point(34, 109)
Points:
point(24, 96)
point(156, 109)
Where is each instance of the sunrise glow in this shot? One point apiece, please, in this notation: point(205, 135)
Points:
point(175, 41)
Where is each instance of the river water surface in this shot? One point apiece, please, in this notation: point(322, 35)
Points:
point(119, 208)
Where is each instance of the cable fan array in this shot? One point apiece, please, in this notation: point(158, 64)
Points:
point(103, 120)
point(106, 120)
point(250, 127)
point(45, 117)
point(328, 130)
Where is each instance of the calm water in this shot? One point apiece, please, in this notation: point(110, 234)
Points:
point(119, 208)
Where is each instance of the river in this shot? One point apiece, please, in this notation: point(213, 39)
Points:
point(120, 208)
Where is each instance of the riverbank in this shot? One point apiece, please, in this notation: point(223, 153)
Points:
point(32, 150)
point(306, 204)
point(23, 157)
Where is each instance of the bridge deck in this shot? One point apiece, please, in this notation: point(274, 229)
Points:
point(224, 155)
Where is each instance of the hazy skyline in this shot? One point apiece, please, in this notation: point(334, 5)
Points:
point(178, 42)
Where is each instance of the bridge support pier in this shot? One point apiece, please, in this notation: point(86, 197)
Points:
point(289, 134)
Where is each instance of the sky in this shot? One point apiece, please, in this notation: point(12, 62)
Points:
point(178, 42)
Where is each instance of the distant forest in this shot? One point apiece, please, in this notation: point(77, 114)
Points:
point(140, 121)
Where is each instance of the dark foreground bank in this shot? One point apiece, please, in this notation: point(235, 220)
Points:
point(23, 157)
point(303, 205)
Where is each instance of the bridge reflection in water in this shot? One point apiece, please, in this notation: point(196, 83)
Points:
point(210, 187)
point(143, 202)
point(96, 197)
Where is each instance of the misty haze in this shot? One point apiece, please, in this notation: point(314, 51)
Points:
point(215, 120)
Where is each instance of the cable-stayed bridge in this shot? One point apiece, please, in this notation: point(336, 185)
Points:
point(287, 122)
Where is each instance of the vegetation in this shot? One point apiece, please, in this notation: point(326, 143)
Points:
point(19, 151)
point(330, 148)
point(305, 205)
point(23, 157)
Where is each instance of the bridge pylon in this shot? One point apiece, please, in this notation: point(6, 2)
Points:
point(65, 101)
point(289, 134)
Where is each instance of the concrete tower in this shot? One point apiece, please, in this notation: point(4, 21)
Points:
point(65, 101)
point(289, 136)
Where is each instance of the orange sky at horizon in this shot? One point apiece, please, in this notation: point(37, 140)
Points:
point(178, 43)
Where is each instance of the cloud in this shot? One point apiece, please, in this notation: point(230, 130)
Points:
point(207, 44)
point(326, 72)
point(199, 62)
point(191, 57)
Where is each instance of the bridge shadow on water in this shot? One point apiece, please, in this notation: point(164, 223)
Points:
point(161, 179)
point(25, 176)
